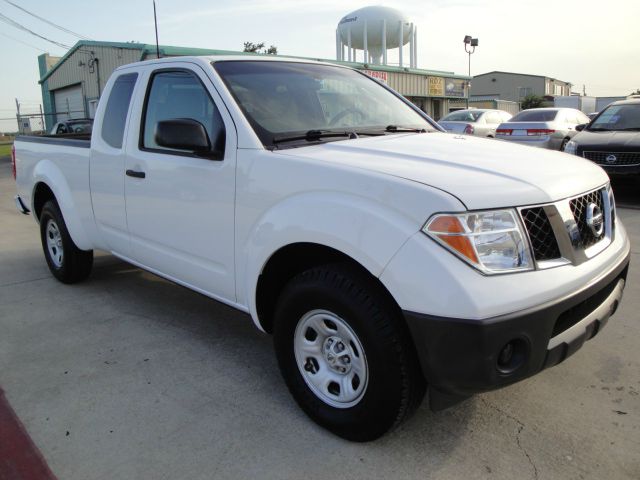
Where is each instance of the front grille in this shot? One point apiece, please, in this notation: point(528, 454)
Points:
point(543, 240)
point(579, 209)
point(614, 158)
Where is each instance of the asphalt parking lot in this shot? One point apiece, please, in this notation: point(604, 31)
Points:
point(129, 376)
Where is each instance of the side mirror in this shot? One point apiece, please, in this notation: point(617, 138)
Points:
point(580, 127)
point(183, 134)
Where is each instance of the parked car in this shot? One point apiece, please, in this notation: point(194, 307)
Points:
point(612, 140)
point(79, 125)
point(383, 254)
point(480, 122)
point(550, 128)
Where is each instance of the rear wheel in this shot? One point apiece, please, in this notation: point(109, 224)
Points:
point(345, 353)
point(66, 261)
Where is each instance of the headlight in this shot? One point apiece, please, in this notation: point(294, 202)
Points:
point(491, 241)
point(571, 147)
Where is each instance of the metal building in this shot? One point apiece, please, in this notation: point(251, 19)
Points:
point(72, 85)
point(516, 86)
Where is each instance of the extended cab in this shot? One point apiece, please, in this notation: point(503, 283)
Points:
point(385, 256)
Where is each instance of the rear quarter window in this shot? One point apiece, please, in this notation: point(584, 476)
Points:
point(115, 115)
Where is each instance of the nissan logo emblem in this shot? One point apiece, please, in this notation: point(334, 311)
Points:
point(595, 220)
point(611, 158)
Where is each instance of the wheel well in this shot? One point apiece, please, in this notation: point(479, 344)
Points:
point(41, 196)
point(288, 262)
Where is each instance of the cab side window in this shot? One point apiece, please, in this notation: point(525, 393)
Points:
point(115, 115)
point(179, 95)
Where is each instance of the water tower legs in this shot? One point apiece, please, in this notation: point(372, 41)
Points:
point(400, 39)
point(415, 47)
point(411, 46)
point(384, 41)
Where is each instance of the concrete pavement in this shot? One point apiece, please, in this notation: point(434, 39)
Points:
point(127, 376)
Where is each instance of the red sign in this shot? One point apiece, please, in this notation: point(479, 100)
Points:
point(382, 76)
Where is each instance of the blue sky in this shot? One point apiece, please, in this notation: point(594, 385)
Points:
point(581, 41)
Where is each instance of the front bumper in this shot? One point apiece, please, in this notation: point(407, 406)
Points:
point(621, 169)
point(460, 357)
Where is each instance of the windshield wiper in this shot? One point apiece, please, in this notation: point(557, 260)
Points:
point(598, 129)
point(313, 135)
point(396, 128)
point(630, 129)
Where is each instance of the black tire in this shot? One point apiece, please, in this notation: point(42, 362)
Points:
point(395, 385)
point(564, 144)
point(66, 261)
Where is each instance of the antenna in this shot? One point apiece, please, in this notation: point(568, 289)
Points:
point(155, 21)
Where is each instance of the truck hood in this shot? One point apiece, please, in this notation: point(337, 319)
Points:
point(482, 173)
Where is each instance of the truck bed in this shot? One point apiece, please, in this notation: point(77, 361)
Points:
point(81, 140)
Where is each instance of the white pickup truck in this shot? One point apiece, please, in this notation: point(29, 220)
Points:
point(386, 257)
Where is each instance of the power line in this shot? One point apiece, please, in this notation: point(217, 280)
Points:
point(13, 23)
point(20, 41)
point(66, 30)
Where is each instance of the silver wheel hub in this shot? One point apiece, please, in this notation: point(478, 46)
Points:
point(331, 359)
point(336, 354)
point(54, 243)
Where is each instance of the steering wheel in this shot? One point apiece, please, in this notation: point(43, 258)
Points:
point(344, 113)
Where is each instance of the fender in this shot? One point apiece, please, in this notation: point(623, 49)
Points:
point(49, 173)
point(367, 231)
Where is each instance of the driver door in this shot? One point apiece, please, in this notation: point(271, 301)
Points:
point(180, 206)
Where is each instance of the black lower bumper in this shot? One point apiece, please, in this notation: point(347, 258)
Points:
point(621, 169)
point(461, 357)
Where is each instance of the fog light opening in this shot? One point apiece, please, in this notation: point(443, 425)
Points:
point(512, 356)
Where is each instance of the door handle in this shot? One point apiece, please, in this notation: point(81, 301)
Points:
point(133, 173)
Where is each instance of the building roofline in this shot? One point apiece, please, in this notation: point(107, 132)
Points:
point(523, 74)
point(150, 49)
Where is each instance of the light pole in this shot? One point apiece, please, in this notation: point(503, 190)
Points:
point(470, 45)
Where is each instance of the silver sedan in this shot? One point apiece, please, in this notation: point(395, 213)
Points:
point(550, 128)
point(478, 122)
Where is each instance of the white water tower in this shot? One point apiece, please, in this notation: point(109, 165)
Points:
point(374, 30)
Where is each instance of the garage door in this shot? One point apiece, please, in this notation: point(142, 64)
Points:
point(69, 103)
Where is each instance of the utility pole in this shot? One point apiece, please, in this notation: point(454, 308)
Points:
point(44, 128)
point(18, 116)
point(471, 43)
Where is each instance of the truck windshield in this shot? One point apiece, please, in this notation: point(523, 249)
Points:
point(287, 100)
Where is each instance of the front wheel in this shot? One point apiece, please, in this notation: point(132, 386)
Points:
point(345, 353)
point(66, 261)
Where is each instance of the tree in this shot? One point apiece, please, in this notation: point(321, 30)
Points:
point(251, 47)
point(637, 92)
point(532, 101)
